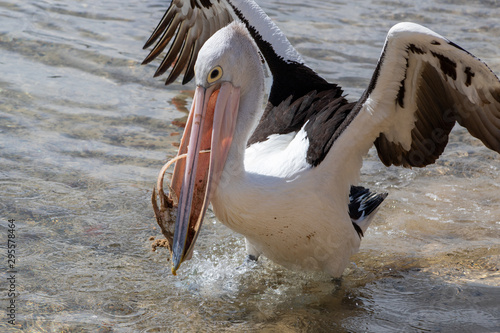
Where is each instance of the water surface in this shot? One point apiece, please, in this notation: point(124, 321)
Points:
point(84, 130)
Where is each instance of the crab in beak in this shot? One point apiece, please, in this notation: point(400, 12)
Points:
point(198, 168)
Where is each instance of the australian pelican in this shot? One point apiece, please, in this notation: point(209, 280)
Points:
point(286, 177)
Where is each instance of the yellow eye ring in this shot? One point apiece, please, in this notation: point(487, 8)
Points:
point(215, 74)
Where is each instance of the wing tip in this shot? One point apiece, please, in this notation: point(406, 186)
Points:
point(363, 206)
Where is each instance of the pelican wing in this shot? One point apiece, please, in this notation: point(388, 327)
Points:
point(298, 94)
point(422, 86)
point(186, 26)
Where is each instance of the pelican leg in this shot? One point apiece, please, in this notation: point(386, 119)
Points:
point(252, 253)
point(337, 282)
point(251, 257)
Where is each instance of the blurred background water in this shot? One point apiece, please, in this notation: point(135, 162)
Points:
point(84, 130)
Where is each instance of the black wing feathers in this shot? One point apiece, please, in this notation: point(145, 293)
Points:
point(432, 127)
point(443, 84)
point(362, 203)
point(184, 34)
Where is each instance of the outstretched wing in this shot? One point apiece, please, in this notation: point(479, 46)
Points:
point(298, 95)
point(189, 24)
point(422, 86)
point(441, 84)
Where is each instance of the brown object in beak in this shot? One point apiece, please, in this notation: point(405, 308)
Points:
point(167, 212)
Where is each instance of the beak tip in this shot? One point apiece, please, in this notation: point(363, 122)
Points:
point(176, 263)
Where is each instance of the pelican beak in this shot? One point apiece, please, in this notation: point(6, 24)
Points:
point(206, 142)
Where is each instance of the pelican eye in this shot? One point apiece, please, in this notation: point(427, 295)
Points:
point(215, 74)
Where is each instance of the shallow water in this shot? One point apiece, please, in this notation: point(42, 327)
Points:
point(84, 130)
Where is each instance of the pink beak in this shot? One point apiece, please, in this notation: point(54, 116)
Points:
point(210, 126)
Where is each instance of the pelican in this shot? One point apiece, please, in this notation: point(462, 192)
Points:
point(286, 176)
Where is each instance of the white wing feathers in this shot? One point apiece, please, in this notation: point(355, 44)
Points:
point(188, 24)
point(423, 84)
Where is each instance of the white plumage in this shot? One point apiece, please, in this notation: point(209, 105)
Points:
point(288, 181)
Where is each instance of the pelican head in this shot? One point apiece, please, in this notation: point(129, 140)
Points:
point(228, 95)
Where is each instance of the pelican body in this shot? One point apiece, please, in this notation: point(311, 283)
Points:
point(285, 177)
